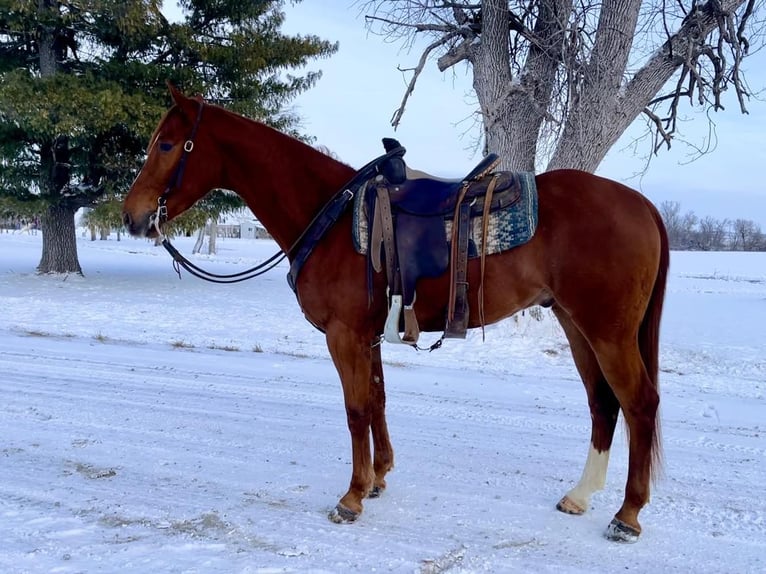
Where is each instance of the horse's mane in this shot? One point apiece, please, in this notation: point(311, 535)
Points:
point(320, 152)
point(327, 151)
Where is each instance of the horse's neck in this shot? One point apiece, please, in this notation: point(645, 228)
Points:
point(283, 181)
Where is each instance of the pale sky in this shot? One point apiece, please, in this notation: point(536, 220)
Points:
point(349, 111)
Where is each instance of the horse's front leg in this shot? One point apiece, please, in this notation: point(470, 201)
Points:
point(384, 453)
point(352, 354)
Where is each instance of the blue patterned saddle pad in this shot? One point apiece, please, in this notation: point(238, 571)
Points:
point(508, 227)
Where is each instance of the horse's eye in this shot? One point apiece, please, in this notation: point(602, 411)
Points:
point(166, 146)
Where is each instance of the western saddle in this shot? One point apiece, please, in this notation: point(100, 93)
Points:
point(409, 214)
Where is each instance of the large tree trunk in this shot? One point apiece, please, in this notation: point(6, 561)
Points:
point(592, 124)
point(58, 226)
point(514, 109)
point(554, 79)
point(59, 242)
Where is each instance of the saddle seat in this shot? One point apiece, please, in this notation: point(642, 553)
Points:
point(426, 196)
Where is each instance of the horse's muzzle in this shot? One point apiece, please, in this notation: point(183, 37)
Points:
point(143, 228)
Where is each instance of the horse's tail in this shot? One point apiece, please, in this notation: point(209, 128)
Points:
point(649, 331)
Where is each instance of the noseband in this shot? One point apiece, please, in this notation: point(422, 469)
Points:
point(161, 217)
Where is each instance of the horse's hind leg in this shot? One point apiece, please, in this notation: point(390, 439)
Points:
point(383, 460)
point(639, 401)
point(604, 409)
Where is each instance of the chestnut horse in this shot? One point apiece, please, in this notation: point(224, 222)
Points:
point(599, 259)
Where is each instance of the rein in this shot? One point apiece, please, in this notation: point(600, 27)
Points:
point(300, 250)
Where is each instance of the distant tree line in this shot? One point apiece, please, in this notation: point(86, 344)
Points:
point(687, 232)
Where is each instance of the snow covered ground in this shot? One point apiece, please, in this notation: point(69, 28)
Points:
point(157, 425)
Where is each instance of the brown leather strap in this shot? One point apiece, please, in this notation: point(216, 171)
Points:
point(411, 328)
point(453, 254)
point(383, 207)
point(457, 313)
point(484, 228)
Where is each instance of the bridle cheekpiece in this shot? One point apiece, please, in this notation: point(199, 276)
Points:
point(161, 216)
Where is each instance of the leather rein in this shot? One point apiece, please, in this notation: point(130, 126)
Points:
point(299, 251)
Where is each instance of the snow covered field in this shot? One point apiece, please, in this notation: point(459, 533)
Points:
point(157, 425)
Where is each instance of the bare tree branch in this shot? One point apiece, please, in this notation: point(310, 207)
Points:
point(666, 138)
point(563, 79)
point(416, 71)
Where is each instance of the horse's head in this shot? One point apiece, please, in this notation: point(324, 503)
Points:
point(174, 175)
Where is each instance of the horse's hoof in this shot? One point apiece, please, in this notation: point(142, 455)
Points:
point(342, 515)
point(569, 506)
point(376, 492)
point(618, 531)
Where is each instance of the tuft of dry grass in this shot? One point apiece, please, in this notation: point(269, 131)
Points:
point(181, 345)
point(230, 348)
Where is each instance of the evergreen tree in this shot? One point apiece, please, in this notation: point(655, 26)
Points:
point(82, 85)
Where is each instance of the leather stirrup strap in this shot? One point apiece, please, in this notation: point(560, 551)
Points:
point(383, 208)
point(484, 228)
point(411, 328)
point(457, 314)
point(453, 253)
point(376, 237)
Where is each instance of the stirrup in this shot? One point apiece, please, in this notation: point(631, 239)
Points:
point(391, 328)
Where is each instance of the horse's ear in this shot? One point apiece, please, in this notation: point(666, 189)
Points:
point(188, 105)
point(175, 93)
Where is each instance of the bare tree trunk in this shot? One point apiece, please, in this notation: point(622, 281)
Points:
point(554, 78)
point(59, 253)
point(514, 109)
point(211, 249)
point(59, 242)
point(200, 240)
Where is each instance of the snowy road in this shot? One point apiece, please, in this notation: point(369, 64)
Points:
point(126, 452)
point(126, 458)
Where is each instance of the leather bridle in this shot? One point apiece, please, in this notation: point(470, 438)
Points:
point(161, 217)
point(298, 252)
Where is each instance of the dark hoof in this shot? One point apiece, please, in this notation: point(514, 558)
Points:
point(376, 492)
point(618, 531)
point(342, 515)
